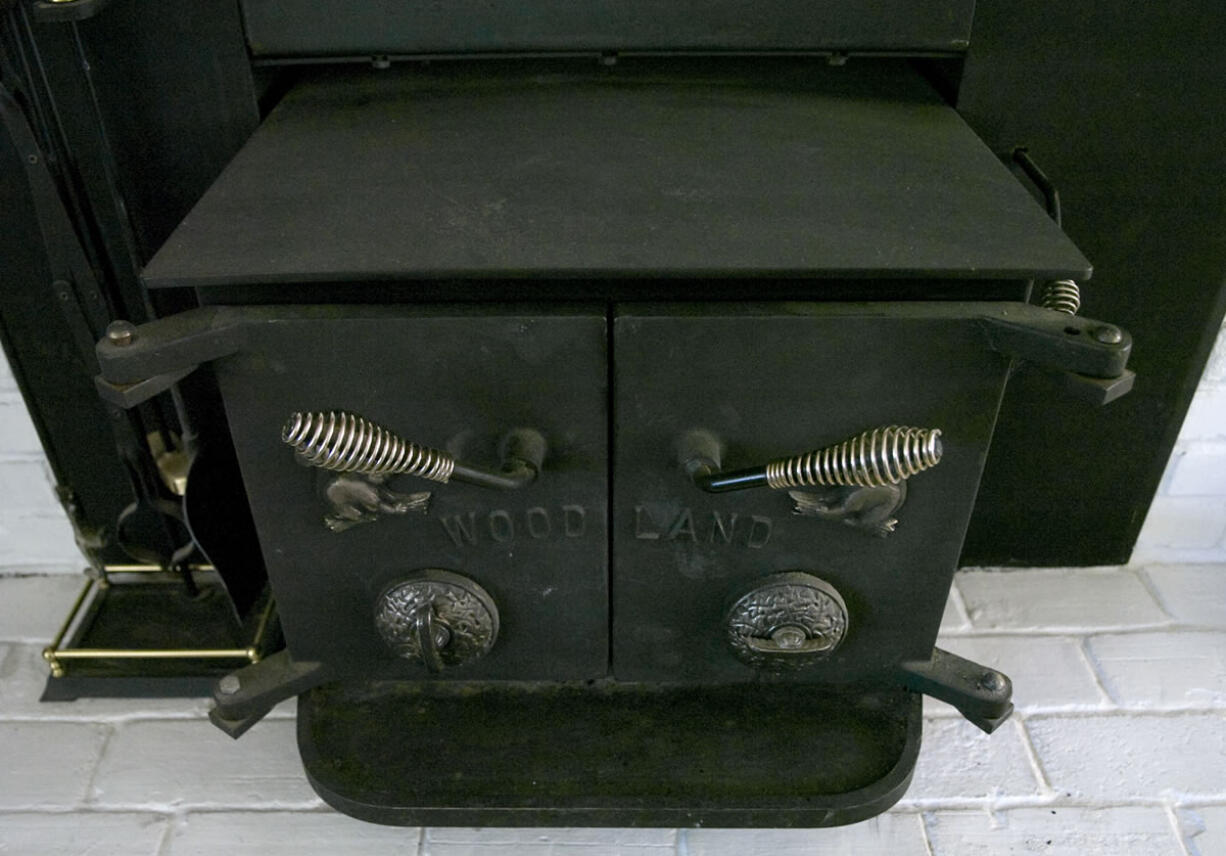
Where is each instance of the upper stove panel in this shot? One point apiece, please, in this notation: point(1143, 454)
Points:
point(286, 28)
point(500, 170)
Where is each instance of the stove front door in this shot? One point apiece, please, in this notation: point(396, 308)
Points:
point(702, 581)
point(518, 578)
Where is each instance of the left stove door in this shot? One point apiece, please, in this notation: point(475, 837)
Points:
point(378, 579)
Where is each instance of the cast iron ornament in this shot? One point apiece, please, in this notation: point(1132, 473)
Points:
point(438, 618)
point(786, 621)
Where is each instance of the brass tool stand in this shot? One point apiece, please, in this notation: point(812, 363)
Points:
point(135, 631)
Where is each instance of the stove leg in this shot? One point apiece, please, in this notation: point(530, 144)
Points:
point(245, 697)
point(982, 695)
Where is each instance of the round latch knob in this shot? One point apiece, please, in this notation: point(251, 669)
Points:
point(786, 621)
point(437, 618)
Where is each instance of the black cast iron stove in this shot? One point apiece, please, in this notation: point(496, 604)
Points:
point(611, 429)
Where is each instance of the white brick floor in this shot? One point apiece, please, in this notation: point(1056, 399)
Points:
point(1118, 747)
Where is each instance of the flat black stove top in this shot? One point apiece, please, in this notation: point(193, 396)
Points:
point(647, 171)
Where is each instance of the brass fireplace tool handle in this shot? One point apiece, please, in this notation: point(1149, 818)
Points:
point(875, 458)
point(347, 443)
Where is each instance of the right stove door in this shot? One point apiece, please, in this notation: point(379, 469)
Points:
point(809, 583)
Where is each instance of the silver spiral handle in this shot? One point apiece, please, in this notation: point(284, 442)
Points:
point(1061, 295)
point(348, 443)
point(873, 459)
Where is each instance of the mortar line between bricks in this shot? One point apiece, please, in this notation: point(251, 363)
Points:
point(1032, 756)
point(682, 843)
point(202, 719)
point(187, 809)
point(118, 719)
point(421, 841)
point(1054, 800)
point(1132, 713)
point(1076, 630)
point(315, 807)
point(1198, 802)
point(1173, 819)
point(24, 570)
point(1096, 671)
point(922, 819)
point(88, 797)
point(1148, 584)
point(1024, 711)
point(563, 846)
point(163, 812)
point(172, 826)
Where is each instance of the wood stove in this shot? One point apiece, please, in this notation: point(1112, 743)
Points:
point(611, 428)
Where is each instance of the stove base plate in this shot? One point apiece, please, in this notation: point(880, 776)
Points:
point(607, 754)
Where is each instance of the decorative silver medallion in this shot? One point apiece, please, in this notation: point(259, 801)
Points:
point(438, 618)
point(786, 621)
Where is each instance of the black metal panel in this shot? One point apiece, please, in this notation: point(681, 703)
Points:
point(1123, 105)
point(72, 423)
point(312, 27)
point(771, 382)
point(173, 86)
point(458, 381)
point(660, 169)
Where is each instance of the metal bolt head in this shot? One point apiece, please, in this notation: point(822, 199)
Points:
point(229, 685)
point(121, 333)
point(1109, 335)
point(993, 682)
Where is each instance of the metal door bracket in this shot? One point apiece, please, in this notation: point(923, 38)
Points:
point(982, 695)
point(128, 395)
point(1099, 390)
point(137, 363)
point(1057, 341)
point(245, 697)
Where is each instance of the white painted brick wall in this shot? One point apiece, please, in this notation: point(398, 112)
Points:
point(47, 763)
point(265, 833)
point(1056, 598)
point(1118, 831)
point(1167, 670)
point(466, 841)
point(894, 833)
point(159, 762)
point(1187, 521)
point(1107, 758)
point(34, 531)
point(1193, 594)
point(88, 834)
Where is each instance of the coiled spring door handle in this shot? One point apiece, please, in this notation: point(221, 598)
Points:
point(348, 443)
point(875, 458)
